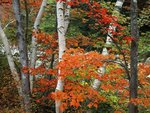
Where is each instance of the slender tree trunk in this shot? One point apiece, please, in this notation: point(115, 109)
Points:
point(11, 62)
point(51, 65)
point(134, 56)
point(34, 43)
point(62, 46)
point(101, 70)
point(27, 18)
point(23, 55)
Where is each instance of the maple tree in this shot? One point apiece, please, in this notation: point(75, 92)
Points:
point(79, 77)
point(76, 74)
point(78, 67)
point(80, 74)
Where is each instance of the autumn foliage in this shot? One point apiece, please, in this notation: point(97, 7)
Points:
point(80, 68)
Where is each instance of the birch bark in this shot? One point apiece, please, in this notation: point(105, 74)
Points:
point(62, 46)
point(34, 43)
point(23, 55)
point(11, 62)
point(102, 69)
point(67, 15)
point(36, 25)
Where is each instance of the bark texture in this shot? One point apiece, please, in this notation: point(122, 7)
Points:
point(134, 56)
point(67, 16)
point(23, 55)
point(34, 43)
point(36, 25)
point(11, 62)
point(62, 46)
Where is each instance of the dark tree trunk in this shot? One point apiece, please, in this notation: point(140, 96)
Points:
point(23, 55)
point(134, 56)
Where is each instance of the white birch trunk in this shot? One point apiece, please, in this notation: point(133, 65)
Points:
point(62, 46)
point(102, 69)
point(11, 62)
point(34, 43)
point(67, 15)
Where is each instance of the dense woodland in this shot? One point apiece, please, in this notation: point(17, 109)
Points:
point(74, 56)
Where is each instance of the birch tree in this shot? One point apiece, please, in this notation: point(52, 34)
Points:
point(62, 46)
point(133, 85)
point(23, 55)
point(11, 62)
point(101, 70)
point(67, 17)
point(36, 25)
point(34, 43)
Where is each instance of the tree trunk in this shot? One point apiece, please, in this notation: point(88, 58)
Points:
point(62, 46)
point(34, 43)
point(134, 56)
point(67, 15)
point(102, 69)
point(11, 62)
point(23, 55)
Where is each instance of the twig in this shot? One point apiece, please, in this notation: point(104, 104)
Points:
point(126, 64)
point(8, 24)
